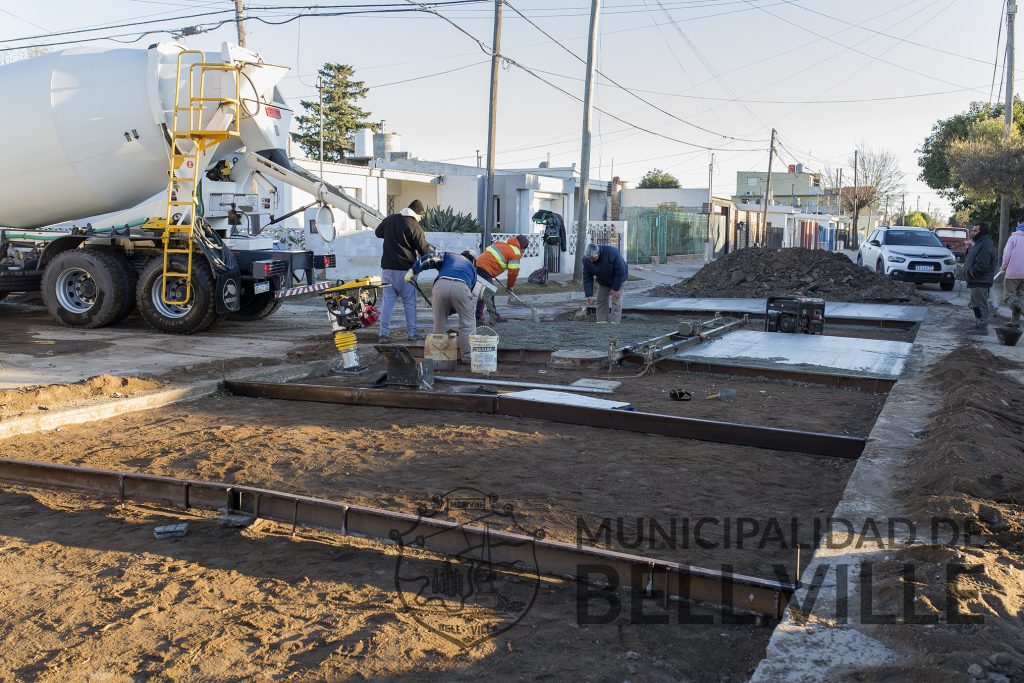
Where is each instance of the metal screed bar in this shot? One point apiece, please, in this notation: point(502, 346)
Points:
point(832, 445)
point(736, 592)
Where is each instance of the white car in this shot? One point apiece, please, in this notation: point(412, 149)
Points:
point(908, 254)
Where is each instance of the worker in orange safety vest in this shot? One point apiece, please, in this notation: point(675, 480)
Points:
point(492, 262)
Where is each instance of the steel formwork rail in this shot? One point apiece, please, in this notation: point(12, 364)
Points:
point(812, 443)
point(671, 580)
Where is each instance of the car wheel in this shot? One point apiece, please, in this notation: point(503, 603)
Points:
point(195, 316)
point(860, 260)
point(947, 286)
point(84, 288)
point(880, 267)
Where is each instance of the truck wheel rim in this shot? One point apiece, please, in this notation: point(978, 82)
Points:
point(172, 311)
point(76, 290)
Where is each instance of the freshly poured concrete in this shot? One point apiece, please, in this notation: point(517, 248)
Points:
point(835, 310)
point(874, 358)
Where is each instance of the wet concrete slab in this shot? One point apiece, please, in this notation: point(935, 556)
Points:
point(820, 354)
point(833, 310)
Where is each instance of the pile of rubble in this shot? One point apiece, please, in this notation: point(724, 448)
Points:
point(760, 272)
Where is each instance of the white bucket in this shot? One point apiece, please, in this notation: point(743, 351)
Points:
point(483, 352)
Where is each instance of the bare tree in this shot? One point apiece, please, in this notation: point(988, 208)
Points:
point(24, 53)
point(879, 178)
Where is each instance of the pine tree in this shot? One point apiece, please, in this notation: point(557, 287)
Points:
point(342, 116)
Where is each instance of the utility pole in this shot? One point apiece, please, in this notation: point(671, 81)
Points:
point(855, 234)
point(491, 124)
point(240, 22)
point(903, 208)
point(320, 90)
point(918, 204)
point(1004, 201)
point(885, 216)
point(767, 188)
point(583, 213)
point(711, 208)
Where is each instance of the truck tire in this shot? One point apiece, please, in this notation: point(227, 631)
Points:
point(196, 316)
point(19, 281)
point(258, 307)
point(83, 288)
point(128, 276)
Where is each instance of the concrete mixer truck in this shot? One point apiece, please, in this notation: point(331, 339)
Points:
point(144, 179)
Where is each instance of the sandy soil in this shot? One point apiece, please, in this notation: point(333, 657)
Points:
point(15, 402)
point(258, 604)
point(554, 475)
point(757, 401)
point(968, 467)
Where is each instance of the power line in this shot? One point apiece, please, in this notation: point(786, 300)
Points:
point(789, 22)
point(622, 87)
point(995, 64)
point(486, 49)
point(901, 40)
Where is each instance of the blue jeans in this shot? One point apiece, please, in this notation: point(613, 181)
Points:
point(399, 288)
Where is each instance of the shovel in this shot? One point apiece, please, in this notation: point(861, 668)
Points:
point(534, 314)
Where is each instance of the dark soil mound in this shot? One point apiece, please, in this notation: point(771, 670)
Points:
point(761, 272)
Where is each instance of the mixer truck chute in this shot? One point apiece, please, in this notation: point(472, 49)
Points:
point(144, 179)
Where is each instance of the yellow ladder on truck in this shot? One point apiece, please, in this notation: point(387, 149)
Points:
point(190, 138)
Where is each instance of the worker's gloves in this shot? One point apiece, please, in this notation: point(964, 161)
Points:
point(410, 276)
point(616, 295)
point(591, 301)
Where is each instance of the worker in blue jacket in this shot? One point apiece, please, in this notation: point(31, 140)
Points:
point(606, 265)
point(453, 289)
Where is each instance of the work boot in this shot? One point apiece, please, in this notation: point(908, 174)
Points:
point(384, 339)
point(415, 336)
point(980, 329)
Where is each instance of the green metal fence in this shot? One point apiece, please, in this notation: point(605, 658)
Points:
point(662, 233)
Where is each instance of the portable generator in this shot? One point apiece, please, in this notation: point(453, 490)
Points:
point(795, 314)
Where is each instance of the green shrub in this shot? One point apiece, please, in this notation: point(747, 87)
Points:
point(448, 220)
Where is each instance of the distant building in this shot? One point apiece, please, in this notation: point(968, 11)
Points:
point(794, 188)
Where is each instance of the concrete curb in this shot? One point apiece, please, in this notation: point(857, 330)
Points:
point(795, 651)
point(49, 421)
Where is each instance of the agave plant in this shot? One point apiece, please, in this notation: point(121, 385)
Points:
point(449, 220)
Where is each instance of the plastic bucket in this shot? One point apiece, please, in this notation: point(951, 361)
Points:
point(483, 351)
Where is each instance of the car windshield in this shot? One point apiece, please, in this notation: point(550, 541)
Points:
point(956, 234)
point(911, 238)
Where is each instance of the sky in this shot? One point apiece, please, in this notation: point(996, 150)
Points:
point(680, 77)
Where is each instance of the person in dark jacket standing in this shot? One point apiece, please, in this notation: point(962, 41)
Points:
point(404, 241)
point(606, 265)
point(980, 270)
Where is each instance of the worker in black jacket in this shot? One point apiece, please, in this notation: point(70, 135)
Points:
point(404, 242)
point(980, 269)
point(605, 264)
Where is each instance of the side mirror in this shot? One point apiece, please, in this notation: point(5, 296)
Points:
point(324, 224)
point(875, 243)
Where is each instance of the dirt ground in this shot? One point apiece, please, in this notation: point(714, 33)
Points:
point(765, 402)
point(227, 605)
point(15, 402)
point(968, 466)
point(259, 604)
point(763, 271)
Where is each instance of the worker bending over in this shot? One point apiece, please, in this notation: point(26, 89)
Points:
point(492, 262)
point(606, 265)
point(453, 290)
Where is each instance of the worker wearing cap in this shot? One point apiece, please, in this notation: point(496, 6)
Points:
point(492, 262)
point(453, 289)
point(605, 264)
